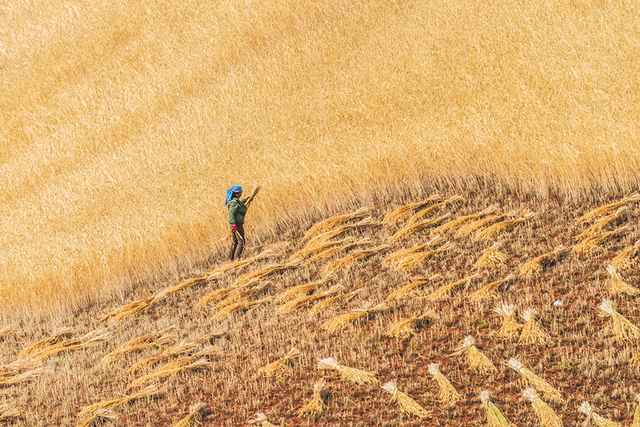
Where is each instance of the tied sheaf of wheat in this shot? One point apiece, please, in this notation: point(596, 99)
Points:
point(598, 420)
point(296, 291)
point(494, 416)
point(493, 230)
point(407, 327)
point(416, 260)
point(605, 210)
point(335, 250)
point(537, 264)
point(474, 226)
point(336, 300)
point(409, 290)
point(627, 257)
point(194, 419)
point(448, 393)
point(412, 229)
point(140, 343)
point(316, 405)
point(329, 223)
point(303, 300)
point(603, 222)
point(623, 329)
point(400, 212)
point(148, 392)
point(277, 368)
point(546, 416)
point(476, 360)
point(590, 244)
point(350, 259)
point(617, 285)
point(510, 327)
point(339, 231)
point(491, 257)
point(532, 333)
point(348, 374)
point(398, 256)
point(428, 211)
point(100, 416)
point(447, 290)
point(261, 420)
point(539, 384)
point(490, 290)
point(341, 322)
point(405, 402)
point(459, 222)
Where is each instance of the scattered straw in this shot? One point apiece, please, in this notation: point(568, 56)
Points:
point(501, 227)
point(446, 291)
point(494, 416)
point(329, 223)
point(623, 329)
point(100, 416)
point(417, 228)
point(194, 419)
point(617, 286)
point(277, 369)
point(491, 257)
point(545, 414)
point(261, 420)
point(348, 374)
point(407, 327)
point(416, 260)
point(147, 392)
point(316, 405)
point(341, 322)
point(338, 299)
point(536, 265)
point(408, 290)
point(352, 258)
point(600, 421)
point(532, 333)
point(400, 212)
point(424, 213)
point(510, 327)
point(406, 403)
point(490, 290)
point(477, 361)
point(9, 413)
point(542, 386)
point(459, 222)
point(448, 393)
point(605, 210)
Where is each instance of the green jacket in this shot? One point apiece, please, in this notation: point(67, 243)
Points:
point(237, 211)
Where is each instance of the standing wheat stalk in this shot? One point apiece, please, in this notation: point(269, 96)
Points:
point(406, 403)
point(617, 285)
point(623, 329)
point(477, 361)
point(539, 384)
point(510, 327)
point(448, 393)
point(194, 419)
point(532, 333)
point(348, 374)
point(600, 421)
point(494, 416)
point(546, 416)
point(316, 405)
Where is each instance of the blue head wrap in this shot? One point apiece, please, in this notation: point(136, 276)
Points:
point(230, 191)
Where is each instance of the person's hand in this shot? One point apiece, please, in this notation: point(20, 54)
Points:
point(234, 228)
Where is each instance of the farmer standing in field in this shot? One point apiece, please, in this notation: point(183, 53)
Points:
point(237, 210)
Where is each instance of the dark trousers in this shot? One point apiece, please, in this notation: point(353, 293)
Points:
point(237, 244)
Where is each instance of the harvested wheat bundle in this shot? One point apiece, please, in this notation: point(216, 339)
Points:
point(329, 223)
point(341, 322)
point(261, 419)
point(242, 294)
point(348, 374)
point(165, 373)
point(260, 274)
point(618, 286)
point(56, 336)
point(545, 414)
point(329, 253)
point(316, 405)
point(598, 420)
point(535, 266)
point(253, 195)
point(129, 309)
point(400, 212)
point(150, 391)
point(215, 296)
point(605, 210)
point(424, 213)
point(491, 257)
point(590, 244)
point(448, 393)
point(532, 333)
point(447, 290)
point(510, 327)
point(490, 290)
point(601, 224)
point(407, 327)
point(623, 261)
point(338, 231)
point(157, 339)
point(240, 306)
point(411, 262)
point(355, 256)
point(416, 228)
point(303, 300)
point(309, 251)
point(491, 231)
point(194, 419)
point(6, 331)
point(235, 265)
point(542, 386)
point(9, 413)
point(92, 338)
point(459, 222)
point(20, 377)
point(477, 361)
point(494, 416)
point(472, 227)
point(338, 299)
point(407, 290)
point(623, 329)
point(406, 403)
point(100, 416)
point(179, 287)
point(277, 368)
point(398, 255)
point(296, 291)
